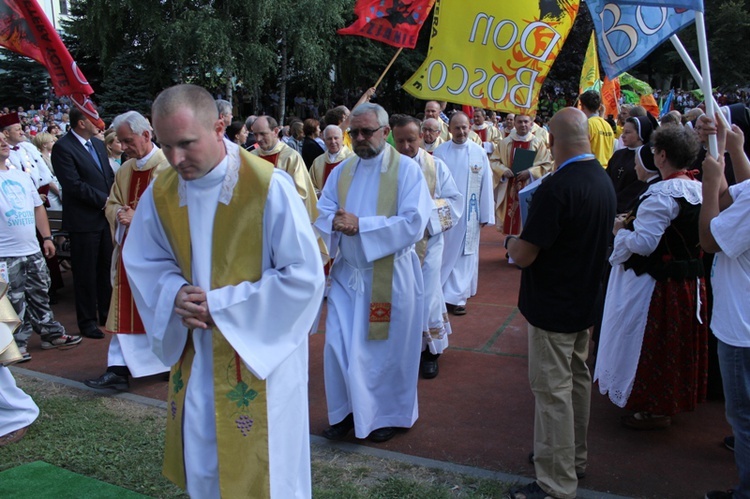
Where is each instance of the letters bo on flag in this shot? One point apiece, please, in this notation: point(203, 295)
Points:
point(493, 55)
point(628, 33)
point(677, 4)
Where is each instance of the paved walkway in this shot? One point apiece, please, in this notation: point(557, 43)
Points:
point(479, 411)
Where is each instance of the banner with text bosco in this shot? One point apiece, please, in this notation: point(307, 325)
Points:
point(493, 55)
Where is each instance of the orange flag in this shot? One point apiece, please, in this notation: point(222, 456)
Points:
point(611, 96)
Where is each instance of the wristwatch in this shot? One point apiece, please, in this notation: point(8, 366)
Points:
point(48, 238)
point(507, 240)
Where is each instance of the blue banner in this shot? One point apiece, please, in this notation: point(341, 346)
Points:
point(626, 34)
point(667, 104)
point(677, 4)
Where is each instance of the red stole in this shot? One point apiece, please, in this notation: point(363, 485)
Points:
point(128, 320)
point(329, 168)
point(482, 134)
point(512, 222)
point(271, 158)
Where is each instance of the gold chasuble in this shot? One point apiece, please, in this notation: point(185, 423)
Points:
point(239, 397)
point(382, 270)
point(130, 183)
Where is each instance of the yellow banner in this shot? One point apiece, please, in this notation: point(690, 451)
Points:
point(493, 55)
point(590, 79)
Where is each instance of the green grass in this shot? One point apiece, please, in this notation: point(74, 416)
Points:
point(121, 442)
point(100, 437)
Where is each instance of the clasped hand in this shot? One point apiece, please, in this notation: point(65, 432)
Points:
point(190, 304)
point(125, 215)
point(346, 223)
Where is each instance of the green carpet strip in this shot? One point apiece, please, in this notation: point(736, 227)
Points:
point(39, 480)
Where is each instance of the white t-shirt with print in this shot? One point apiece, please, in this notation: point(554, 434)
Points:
point(18, 198)
point(730, 275)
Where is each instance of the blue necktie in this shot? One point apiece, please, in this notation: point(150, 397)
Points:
point(91, 150)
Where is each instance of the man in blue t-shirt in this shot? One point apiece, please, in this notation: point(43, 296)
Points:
point(562, 251)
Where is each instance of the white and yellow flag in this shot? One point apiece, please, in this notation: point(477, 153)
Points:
point(493, 55)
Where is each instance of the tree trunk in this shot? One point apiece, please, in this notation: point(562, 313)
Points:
point(228, 91)
point(282, 78)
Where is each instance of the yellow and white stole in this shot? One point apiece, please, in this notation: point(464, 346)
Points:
point(382, 271)
point(427, 163)
point(240, 399)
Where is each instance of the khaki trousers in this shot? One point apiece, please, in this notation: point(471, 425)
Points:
point(561, 383)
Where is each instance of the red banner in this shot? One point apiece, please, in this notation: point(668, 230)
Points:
point(395, 22)
point(25, 29)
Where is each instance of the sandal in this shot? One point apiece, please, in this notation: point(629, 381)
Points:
point(13, 437)
point(646, 421)
point(529, 491)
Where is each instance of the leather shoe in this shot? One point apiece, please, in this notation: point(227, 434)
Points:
point(94, 334)
point(108, 380)
point(339, 430)
point(428, 366)
point(383, 434)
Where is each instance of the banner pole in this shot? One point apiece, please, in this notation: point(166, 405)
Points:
point(700, 28)
point(694, 72)
point(377, 83)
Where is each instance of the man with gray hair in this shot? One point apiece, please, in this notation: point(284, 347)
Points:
point(225, 111)
point(325, 163)
point(431, 135)
point(129, 350)
point(373, 209)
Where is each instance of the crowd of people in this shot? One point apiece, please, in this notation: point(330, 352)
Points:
point(204, 246)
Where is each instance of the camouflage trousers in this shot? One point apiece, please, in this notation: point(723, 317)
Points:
point(29, 281)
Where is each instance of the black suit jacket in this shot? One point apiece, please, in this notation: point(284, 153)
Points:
point(85, 187)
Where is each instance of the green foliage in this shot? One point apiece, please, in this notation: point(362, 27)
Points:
point(126, 87)
point(23, 81)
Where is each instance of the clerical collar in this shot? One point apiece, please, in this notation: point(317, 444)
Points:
point(464, 144)
point(524, 137)
point(140, 163)
point(332, 156)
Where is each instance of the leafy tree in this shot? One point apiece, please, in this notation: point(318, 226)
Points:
point(126, 87)
point(23, 81)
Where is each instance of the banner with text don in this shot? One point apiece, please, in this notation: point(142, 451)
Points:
point(493, 55)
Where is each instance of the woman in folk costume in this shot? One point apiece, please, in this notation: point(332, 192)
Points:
point(653, 349)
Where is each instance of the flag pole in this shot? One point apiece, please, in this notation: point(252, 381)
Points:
point(388, 67)
point(695, 73)
point(700, 28)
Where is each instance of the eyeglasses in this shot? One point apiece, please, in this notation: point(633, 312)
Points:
point(366, 132)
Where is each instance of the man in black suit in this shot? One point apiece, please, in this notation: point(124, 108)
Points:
point(81, 165)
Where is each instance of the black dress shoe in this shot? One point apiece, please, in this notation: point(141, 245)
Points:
point(428, 365)
point(383, 434)
point(94, 334)
point(108, 380)
point(459, 310)
point(340, 430)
